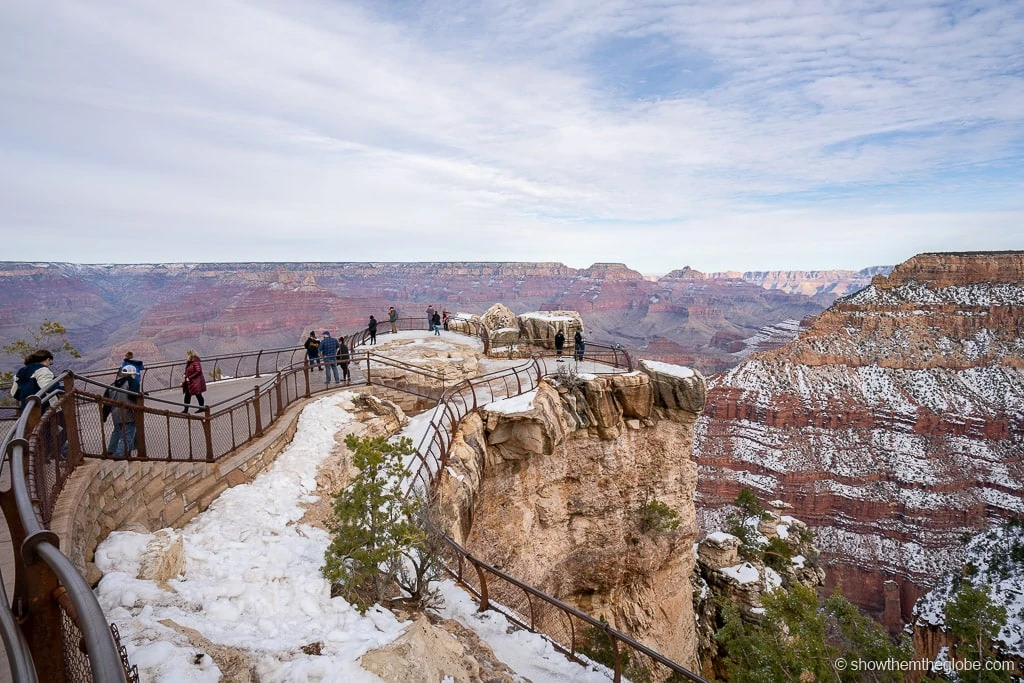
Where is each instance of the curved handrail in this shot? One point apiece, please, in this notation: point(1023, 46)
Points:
point(19, 657)
point(106, 661)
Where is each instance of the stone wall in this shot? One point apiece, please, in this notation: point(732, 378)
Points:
point(109, 495)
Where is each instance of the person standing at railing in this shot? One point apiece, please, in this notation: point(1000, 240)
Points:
point(194, 383)
point(436, 323)
point(313, 351)
point(578, 344)
point(445, 315)
point(122, 439)
point(129, 359)
point(559, 342)
point(343, 358)
point(329, 353)
point(35, 375)
point(371, 327)
point(393, 319)
point(430, 318)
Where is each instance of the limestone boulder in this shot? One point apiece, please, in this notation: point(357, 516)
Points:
point(676, 387)
point(718, 550)
point(457, 492)
point(430, 653)
point(634, 394)
point(465, 323)
point(600, 400)
point(497, 317)
point(525, 425)
point(768, 525)
point(163, 558)
point(541, 326)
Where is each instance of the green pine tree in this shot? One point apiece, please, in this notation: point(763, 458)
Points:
point(800, 640)
point(381, 540)
point(975, 621)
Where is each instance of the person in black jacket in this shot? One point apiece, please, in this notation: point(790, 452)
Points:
point(580, 345)
point(372, 327)
point(559, 342)
point(313, 351)
point(343, 359)
point(435, 322)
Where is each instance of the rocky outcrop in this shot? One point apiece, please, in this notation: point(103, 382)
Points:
point(549, 486)
point(811, 282)
point(501, 325)
point(894, 423)
point(729, 572)
point(542, 326)
point(446, 651)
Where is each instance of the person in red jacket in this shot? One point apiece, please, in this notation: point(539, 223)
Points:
point(193, 384)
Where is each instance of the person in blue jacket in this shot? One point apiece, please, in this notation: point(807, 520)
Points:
point(329, 353)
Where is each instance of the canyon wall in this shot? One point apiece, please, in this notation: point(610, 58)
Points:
point(160, 310)
point(894, 424)
point(551, 487)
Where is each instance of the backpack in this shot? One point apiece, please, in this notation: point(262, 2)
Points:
point(27, 384)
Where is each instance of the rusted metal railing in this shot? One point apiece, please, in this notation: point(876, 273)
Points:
point(61, 632)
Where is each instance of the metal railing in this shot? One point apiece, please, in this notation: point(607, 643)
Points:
point(54, 629)
point(45, 447)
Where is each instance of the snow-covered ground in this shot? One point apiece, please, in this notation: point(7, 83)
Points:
point(251, 581)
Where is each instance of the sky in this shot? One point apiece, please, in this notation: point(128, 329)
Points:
point(255, 571)
point(719, 134)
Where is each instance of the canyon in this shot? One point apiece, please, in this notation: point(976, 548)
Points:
point(894, 424)
point(885, 404)
point(161, 310)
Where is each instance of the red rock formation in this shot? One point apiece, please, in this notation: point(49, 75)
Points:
point(894, 423)
point(223, 307)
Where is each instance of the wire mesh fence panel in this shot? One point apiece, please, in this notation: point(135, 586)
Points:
point(225, 432)
point(185, 438)
point(267, 413)
point(76, 663)
point(93, 430)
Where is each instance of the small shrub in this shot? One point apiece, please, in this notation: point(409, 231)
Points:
point(657, 517)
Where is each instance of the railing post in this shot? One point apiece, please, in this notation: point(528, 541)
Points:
point(70, 411)
point(305, 373)
point(207, 434)
point(484, 602)
point(140, 427)
point(256, 409)
point(368, 368)
point(277, 388)
point(258, 356)
point(618, 658)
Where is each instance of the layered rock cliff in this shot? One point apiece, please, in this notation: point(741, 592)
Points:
point(216, 308)
point(551, 487)
point(894, 423)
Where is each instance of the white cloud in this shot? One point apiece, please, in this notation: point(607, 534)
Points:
point(492, 133)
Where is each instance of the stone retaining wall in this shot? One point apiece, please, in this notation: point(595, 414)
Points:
point(108, 495)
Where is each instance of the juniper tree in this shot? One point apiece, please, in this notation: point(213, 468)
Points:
point(381, 539)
